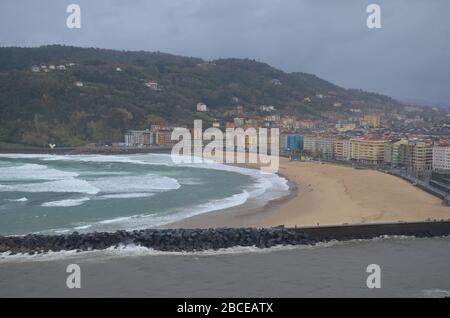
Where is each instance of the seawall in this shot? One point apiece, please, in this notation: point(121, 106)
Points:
point(210, 239)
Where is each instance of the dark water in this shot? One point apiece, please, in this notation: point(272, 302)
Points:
point(410, 267)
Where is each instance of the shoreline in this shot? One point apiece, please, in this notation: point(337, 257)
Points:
point(248, 214)
point(328, 194)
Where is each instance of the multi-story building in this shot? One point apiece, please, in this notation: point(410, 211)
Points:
point(388, 153)
point(305, 124)
point(294, 142)
point(239, 122)
point(413, 154)
point(342, 149)
point(272, 118)
point(135, 138)
point(343, 127)
point(322, 147)
point(372, 120)
point(310, 144)
point(288, 122)
point(366, 150)
point(163, 137)
point(441, 157)
point(399, 153)
point(420, 155)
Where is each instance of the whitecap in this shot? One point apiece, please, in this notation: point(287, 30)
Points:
point(125, 195)
point(70, 185)
point(23, 199)
point(82, 227)
point(33, 172)
point(146, 183)
point(435, 293)
point(116, 220)
point(66, 202)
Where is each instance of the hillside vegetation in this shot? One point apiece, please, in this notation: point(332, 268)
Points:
point(41, 107)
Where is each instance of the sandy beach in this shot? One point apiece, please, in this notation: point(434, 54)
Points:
point(327, 194)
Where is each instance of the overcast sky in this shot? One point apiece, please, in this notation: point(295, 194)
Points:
point(408, 58)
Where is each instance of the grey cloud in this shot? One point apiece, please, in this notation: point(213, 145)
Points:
point(408, 58)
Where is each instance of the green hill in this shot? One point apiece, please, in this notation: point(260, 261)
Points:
point(41, 107)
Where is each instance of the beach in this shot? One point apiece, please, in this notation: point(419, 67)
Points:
point(330, 194)
point(320, 194)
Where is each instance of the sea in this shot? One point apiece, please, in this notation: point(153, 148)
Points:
point(55, 194)
point(408, 267)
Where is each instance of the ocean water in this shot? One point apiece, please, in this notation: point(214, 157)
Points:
point(62, 193)
point(410, 267)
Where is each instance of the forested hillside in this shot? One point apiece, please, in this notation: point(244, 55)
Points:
point(93, 95)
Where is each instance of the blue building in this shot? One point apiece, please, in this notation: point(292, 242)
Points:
point(294, 142)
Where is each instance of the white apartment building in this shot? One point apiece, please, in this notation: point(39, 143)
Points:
point(319, 146)
point(441, 158)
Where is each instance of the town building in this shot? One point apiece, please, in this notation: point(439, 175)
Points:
point(343, 127)
point(238, 122)
point(272, 118)
point(420, 155)
point(388, 153)
point(399, 157)
point(441, 157)
point(136, 138)
point(152, 85)
point(366, 150)
point(201, 107)
point(322, 147)
point(373, 121)
point(294, 142)
point(275, 81)
point(265, 108)
point(306, 124)
point(164, 137)
point(342, 149)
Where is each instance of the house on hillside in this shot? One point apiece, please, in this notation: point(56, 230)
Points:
point(275, 81)
point(201, 107)
point(152, 85)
